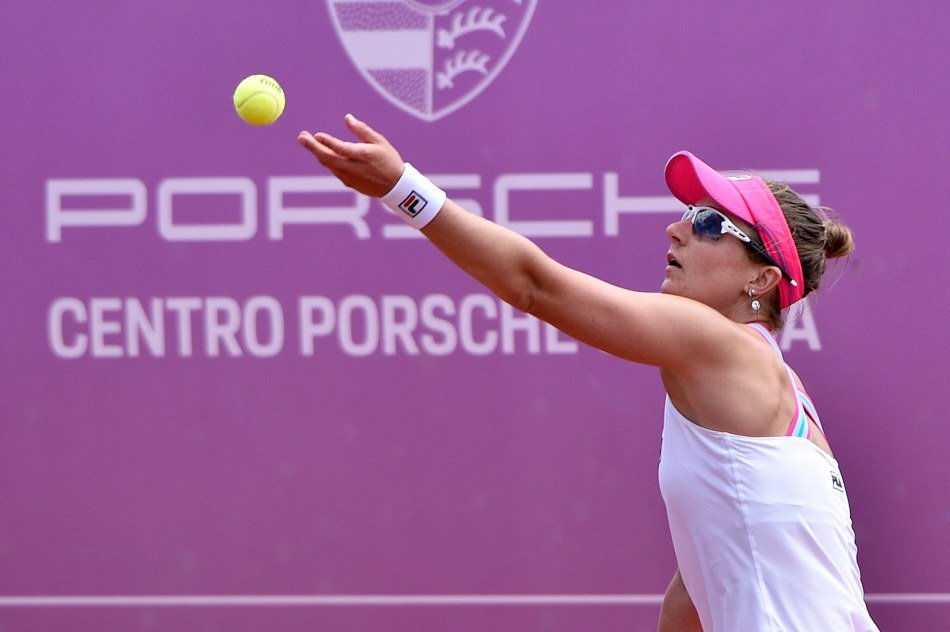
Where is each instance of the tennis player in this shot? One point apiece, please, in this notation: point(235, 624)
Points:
point(757, 506)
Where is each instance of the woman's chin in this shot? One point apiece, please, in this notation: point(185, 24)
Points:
point(672, 288)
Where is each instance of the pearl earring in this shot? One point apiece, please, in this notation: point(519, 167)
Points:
point(756, 305)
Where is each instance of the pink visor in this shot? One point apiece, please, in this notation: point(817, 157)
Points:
point(747, 197)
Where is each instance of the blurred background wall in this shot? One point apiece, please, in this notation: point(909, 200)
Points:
point(226, 379)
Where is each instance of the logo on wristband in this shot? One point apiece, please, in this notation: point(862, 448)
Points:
point(413, 204)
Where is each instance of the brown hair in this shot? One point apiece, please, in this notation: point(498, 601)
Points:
point(818, 235)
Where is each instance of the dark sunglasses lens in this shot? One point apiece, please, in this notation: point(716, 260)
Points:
point(708, 224)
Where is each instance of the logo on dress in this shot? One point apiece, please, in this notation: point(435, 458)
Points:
point(430, 57)
point(836, 481)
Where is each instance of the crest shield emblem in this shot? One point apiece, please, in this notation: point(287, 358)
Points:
point(430, 57)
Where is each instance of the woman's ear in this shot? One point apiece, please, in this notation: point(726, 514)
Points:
point(765, 280)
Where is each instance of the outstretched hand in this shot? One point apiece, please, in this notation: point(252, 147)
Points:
point(371, 166)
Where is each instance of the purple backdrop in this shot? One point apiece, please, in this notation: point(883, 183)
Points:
point(235, 396)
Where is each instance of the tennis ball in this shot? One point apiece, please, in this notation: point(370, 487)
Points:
point(259, 100)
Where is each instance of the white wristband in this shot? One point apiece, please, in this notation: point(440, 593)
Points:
point(414, 198)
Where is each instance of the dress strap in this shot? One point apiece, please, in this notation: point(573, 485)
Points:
point(799, 426)
point(762, 329)
point(810, 410)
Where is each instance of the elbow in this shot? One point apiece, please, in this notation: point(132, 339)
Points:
point(522, 294)
point(525, 282)
point(525, 300)
point(533, 290)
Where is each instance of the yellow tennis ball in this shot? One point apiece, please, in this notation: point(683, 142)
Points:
point(259, 100)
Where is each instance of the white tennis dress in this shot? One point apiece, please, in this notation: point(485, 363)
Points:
point(762, 530)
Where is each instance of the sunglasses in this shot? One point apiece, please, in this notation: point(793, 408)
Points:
point(710, 223)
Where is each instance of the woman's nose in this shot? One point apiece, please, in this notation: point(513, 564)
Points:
point(678, 231)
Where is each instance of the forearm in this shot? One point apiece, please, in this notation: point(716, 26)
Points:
point(678, 614)
point(508, 264)
point(505, 262)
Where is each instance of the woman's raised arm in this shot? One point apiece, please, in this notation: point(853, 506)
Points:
point(649, 328)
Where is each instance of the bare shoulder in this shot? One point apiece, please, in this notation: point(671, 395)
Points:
point(743, 391)
point(798, 380)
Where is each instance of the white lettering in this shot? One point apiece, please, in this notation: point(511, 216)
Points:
point(222, 319)
point(99, 327)
point(800, 325)
point(348, 306)
point(268, 307)
point(356, 325)
point(242, 187)
point(57, 216)
point(614, 205)
point(356, 214)
point(280, 215)
point(444, 304)
point(395, 328)
point(537, 182)
point(259, 321)
point(512, 322)
point(398, 324)
point(555, 344)
point(151, 328)
point(55, 327)
point(466, 332)
point(309, 308)
point(183, 307)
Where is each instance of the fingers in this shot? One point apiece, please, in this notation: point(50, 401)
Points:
point(339, 147)
point(363, 131)
point(330, 151)
point(306, 139)
point(370, 166)
point(327, 156)
point(323, 145)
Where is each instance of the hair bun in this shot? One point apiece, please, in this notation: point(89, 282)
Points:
point(839, 242)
